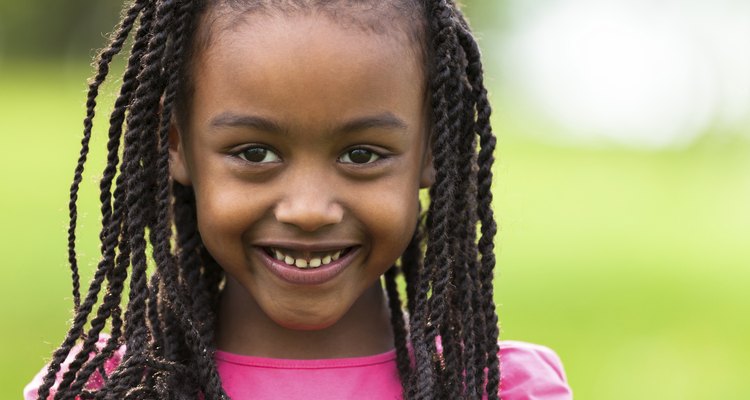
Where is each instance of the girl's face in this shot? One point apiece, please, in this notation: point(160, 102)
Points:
point(305, 144)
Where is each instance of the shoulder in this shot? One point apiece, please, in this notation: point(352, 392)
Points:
point(96, 381)
point(530, 371)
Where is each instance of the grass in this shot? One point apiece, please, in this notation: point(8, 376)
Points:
point(632, 265)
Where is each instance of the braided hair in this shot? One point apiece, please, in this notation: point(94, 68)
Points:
point(445, 324)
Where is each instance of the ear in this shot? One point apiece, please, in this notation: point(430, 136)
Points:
point(177, 163)
point(427, 177)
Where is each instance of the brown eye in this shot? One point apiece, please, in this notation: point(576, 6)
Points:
point(359, 156)
point(258, 154)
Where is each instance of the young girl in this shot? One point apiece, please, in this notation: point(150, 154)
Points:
point(261, 205)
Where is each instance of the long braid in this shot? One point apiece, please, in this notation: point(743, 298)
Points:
point(161, 225)
point(105, 58)
point(468, 338)
point(466, 280)
point(484, 199)
point(127, 91)
point(483, 299)
point(189, 240)
point(108, 236)
point(136, 158)
point(452, 329)
point(171, 346)
point(412, 260)
point(439, 261)
point(192, 267)
point(437, 258)
point(397, 322)
point(411, 263)
point(202, 338)
point(196, 289)
point(110, 302)
point(79, 320)
point(110, 232)
point(161, 229)
point(114, 288)
point(155, 313)
point(142, 145)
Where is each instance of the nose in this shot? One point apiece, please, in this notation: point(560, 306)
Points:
point(309, 204)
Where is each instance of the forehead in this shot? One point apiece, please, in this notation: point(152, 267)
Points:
point(402, 20)
point(307, 70)
point(309, 33)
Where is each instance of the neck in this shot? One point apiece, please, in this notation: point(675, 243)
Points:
point(243, 328)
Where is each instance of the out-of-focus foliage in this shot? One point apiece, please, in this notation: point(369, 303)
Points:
point(75, 28)
point(52, 29)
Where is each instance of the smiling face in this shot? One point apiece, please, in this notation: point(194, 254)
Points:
point(305, 144)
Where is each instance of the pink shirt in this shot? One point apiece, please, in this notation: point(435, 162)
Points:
point(529, 372)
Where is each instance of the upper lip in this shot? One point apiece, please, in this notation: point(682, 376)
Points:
point(319, 246)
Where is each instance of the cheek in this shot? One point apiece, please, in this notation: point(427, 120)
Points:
point(223, 216)
point(392, 216)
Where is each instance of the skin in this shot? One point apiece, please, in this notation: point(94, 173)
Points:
point(280, 103)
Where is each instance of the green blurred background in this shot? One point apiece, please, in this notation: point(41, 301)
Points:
point(630, 261)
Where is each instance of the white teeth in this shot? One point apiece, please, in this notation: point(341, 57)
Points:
point(304, 263)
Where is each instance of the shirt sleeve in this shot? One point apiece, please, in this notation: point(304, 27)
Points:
point(95, 381)
point(531, 372)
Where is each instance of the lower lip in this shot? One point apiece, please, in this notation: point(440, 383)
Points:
point(307, 276)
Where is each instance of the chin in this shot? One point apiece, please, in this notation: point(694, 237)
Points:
point(307, 321)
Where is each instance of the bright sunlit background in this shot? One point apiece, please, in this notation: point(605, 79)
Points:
point(622, 185)
point(643, 74)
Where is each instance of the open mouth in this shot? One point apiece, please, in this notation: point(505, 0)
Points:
point(310, 259)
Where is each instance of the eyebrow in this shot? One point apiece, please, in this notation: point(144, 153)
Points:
point(384, 120)
point(229, 119)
